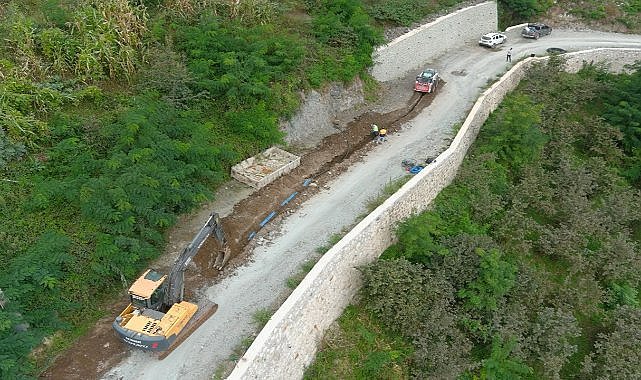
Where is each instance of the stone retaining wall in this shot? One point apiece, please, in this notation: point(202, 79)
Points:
point(319, 110)
point(288, 342)
point(433, 40)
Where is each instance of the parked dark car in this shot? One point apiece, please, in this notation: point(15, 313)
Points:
point(536, 30)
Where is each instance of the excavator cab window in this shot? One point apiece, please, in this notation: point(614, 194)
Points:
point(139, 302)
point(156, 298)
point(154, 302)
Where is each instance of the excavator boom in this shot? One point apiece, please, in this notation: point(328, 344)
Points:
point(176, 283)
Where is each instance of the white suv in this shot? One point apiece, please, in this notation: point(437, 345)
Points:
point(492, 39)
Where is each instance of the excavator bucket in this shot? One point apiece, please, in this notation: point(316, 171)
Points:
point(222, 258)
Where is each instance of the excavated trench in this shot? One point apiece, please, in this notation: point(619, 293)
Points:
point(333, 155)
point(99, 350)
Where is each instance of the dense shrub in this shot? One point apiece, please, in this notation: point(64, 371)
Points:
point(621, 109)
point(405, 12)
point(346, 40)
point(517, 11)
point(528, 261)
point(418, 304)
point(618, 350)
point(238, 63)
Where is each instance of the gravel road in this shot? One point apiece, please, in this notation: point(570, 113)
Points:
point(260, 284)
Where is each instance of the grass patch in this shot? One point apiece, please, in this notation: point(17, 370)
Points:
point(335, 238)
point(225, 368)
point(261, 317)
point(360, 348)
point(389, 189)
point(371, 88)
point(293, 281)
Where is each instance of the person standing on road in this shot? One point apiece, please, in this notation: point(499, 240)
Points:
point(508, 58)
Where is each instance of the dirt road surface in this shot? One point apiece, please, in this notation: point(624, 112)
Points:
point(348, 171)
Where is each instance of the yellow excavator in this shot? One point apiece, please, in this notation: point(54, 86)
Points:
point(157, 318)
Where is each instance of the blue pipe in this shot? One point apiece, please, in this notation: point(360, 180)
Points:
point(416, 169)
point(286, 201)
point(268, 218)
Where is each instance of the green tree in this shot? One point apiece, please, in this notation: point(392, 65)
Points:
point(617, 353)
point(551, 340)
point(517, 11)
point(496, 278)
point(239, 63)
point(418, 304)
point(501, 365)
point(513, 133)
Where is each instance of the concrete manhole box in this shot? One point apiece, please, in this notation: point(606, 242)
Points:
point(265, 167)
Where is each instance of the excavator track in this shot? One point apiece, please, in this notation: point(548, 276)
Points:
point(201, 316)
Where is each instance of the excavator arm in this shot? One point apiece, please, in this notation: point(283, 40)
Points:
point(176, 280)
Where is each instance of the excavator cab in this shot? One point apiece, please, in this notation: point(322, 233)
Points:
point(147, 292)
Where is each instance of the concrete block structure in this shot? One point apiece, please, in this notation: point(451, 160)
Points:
point(264, 168)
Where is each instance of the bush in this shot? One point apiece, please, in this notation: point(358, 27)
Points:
point(236, 63)
point(405, 12)
point(617, 352)
point(346, 40)
point(418, 304)
point(518, 11)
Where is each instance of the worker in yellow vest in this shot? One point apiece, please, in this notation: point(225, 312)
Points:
point(374, 131)
point(382, 135)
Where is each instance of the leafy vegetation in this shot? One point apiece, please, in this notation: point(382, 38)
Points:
point(116, 116)
point(517, 11)
point(363, 350)
point(527, 265)
point(405, 12)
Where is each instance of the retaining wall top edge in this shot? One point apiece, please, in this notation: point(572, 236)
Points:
point(581, 52)
point(518, 26)
point(254, 351)
point(428, 25)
